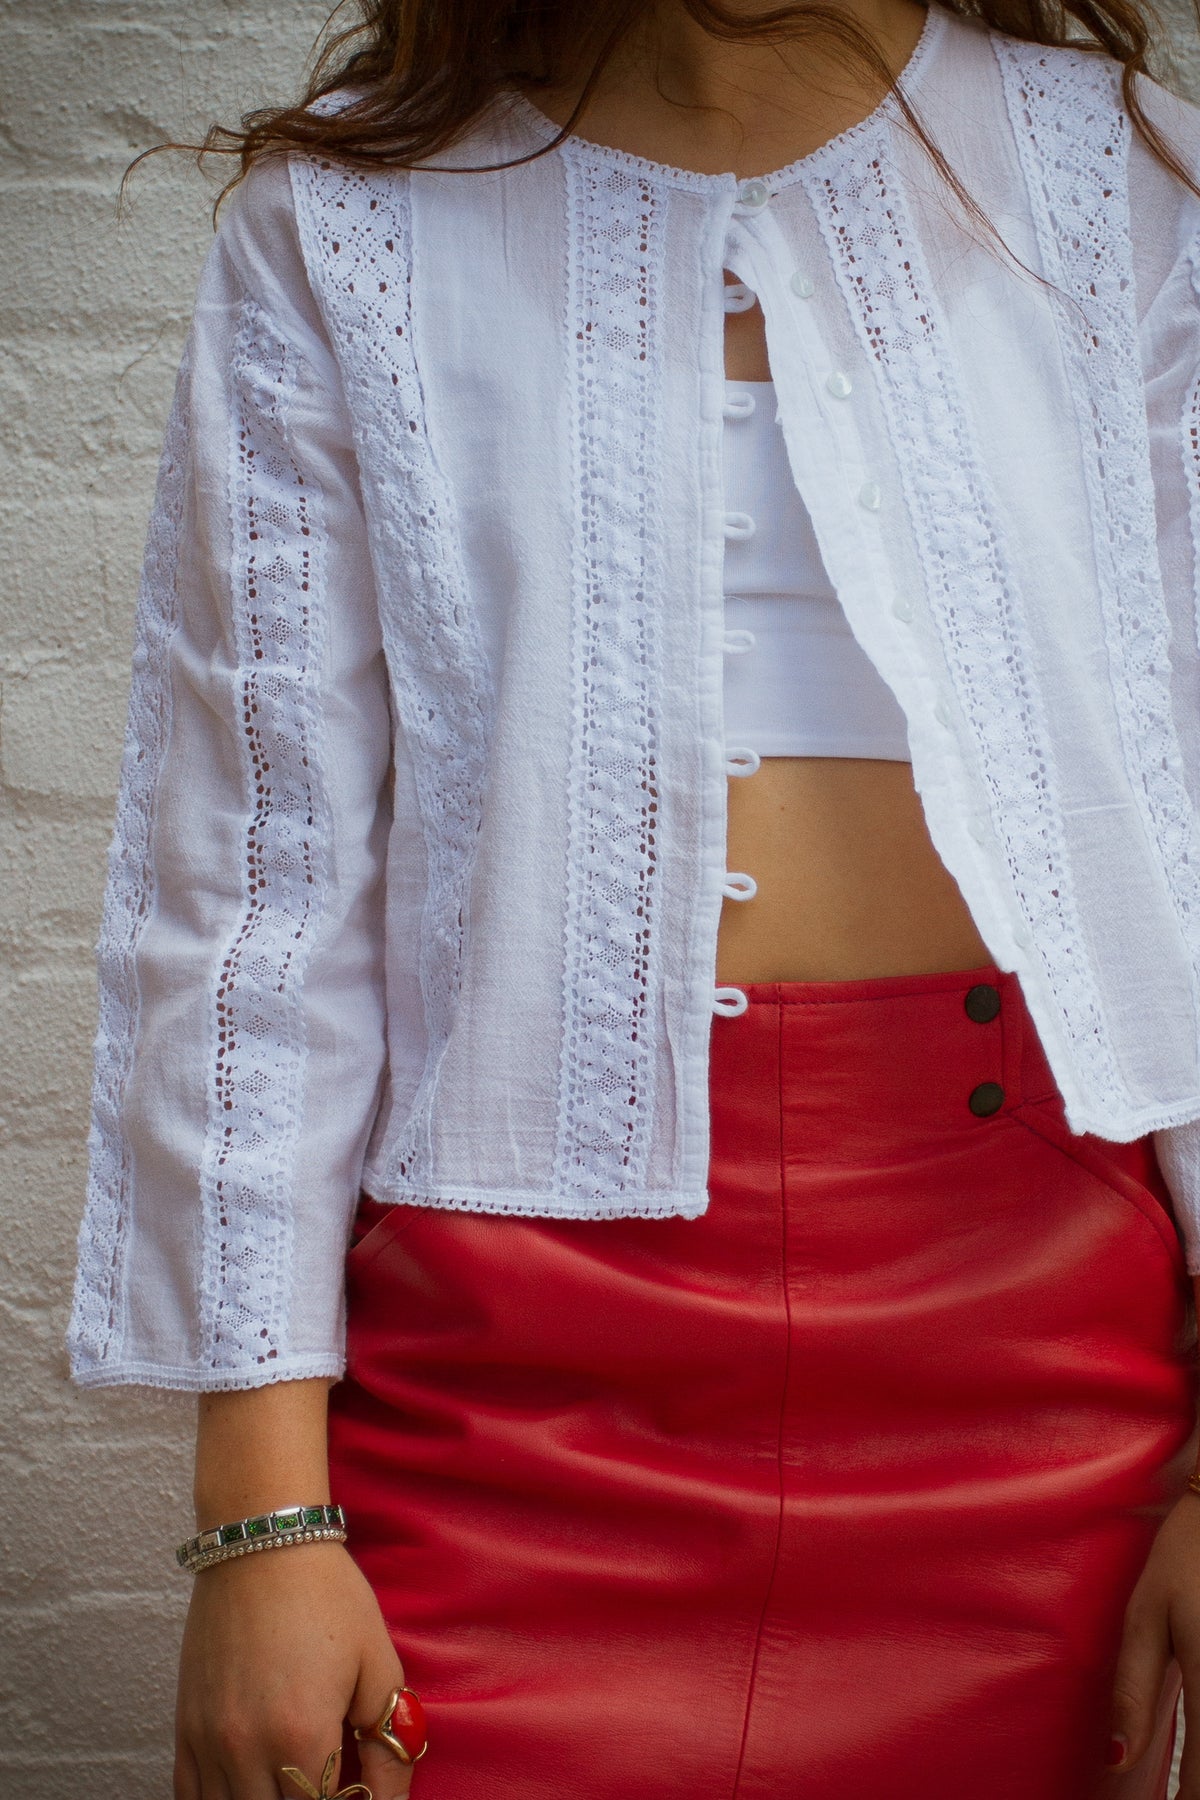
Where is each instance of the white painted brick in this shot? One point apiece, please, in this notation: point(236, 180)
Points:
point(110, 1658)
point(53, 884)
point(52, 541)
point(69, 405)
point(77, 231)
point(61, 728)
point(51, 1498)
point(38, 1248)
point(47, 1024)
point(92, 320)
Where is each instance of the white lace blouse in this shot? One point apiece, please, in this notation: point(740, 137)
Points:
point(420, 849)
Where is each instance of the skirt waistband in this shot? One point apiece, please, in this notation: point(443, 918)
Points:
point(864, 1064)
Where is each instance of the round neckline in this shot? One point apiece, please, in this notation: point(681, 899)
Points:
point(697, 181)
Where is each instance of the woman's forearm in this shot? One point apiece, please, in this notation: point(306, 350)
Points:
point(260, 1449)
point(1196, 1292)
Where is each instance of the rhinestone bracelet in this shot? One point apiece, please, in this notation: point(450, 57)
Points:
point(265, 1531)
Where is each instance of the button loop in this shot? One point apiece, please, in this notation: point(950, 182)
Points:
point(740, 761)
point(738, 297)
point(739, 405)
point(729, 1002)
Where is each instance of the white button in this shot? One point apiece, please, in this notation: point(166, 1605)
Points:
point(738, 297)
point(977, 825)
point(941, 713)
point(803, 285)
point(902, 609)
point(740, 761)
point(739, 525)
point(753, 194)
point(840, 385)
point(1022, 936)
point(729, 1002)
point(737, 642)
point(739, 405)
point(870, 495)
point(141, 658)
point(738, 886)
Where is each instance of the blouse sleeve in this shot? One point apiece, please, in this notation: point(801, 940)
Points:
point(240, 1048)
point(1166, 243)
point(1178, 1151)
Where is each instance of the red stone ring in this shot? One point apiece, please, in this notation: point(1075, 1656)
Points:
point(401, 1726)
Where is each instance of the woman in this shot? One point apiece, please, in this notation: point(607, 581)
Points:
point(663, 766)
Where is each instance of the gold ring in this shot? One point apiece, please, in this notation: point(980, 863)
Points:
point(401, 1726)
point(306, 1787)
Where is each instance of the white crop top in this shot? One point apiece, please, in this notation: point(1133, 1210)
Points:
point(797, 682)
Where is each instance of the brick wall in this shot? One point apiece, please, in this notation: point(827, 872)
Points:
point(95, 1488)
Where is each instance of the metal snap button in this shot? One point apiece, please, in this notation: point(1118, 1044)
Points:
point(987, 1098)
point(982, 1002)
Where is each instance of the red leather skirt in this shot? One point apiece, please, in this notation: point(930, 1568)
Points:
point(840, 1489)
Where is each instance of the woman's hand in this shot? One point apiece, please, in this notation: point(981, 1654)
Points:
point(279, 1648)
point(1162, 1621)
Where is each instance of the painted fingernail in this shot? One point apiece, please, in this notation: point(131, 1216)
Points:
point(1116, 1752)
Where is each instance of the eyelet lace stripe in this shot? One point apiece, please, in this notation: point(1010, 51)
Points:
point(610, 983)
point(1068, 118)
point(98, 1313)
point(247, 1172)
point(864, 217)
point(356, 227)
point(1191, 454)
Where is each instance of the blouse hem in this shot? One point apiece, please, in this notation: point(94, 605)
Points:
point(529, 1204)
point(190, 1379)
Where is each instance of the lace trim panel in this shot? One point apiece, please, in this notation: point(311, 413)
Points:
point(611, 959)
point(255, 1101)
point(357, 232)
point(863, 214)
point(1191, 454)
point(98, 1312)
point(1073, 138)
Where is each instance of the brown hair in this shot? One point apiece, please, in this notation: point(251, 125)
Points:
point(425, 69)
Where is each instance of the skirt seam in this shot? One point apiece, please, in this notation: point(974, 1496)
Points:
point(783, 1400)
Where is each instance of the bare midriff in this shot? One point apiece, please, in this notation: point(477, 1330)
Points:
point(849, 883)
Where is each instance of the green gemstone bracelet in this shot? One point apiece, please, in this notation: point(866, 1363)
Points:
point(265, 1531)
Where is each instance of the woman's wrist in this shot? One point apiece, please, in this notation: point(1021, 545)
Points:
point(281, 1529)
point(260, 1449)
